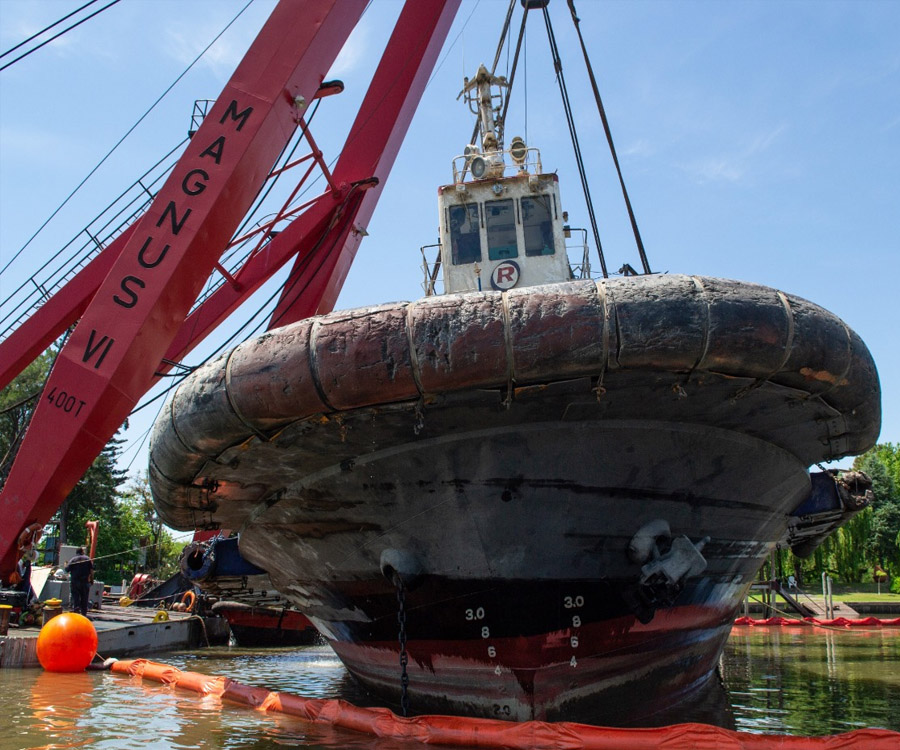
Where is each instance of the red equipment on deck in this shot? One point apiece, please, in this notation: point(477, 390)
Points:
point(134, 298)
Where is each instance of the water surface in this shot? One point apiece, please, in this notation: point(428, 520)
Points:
point(777, 680)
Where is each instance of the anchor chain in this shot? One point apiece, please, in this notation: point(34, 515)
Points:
point(404, 658)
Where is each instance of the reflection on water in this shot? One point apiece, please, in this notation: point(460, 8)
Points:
point(813, 681)
point(778, 681)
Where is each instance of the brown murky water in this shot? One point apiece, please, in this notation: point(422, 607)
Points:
point(776, 680)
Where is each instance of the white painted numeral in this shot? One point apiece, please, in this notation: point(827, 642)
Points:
point(475, 614)
point(571, 602)
point(485, 632)
point(576, 621)
point(574, 641)
point(492, 652)
point(498, 671)
point(573, 662)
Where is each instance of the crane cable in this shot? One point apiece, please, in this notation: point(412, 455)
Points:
point(637, 235)
point(567, 107)
point(46, 29)
point(127, 133)
point(55, 36)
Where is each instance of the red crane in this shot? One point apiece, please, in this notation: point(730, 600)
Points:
point(133, 300)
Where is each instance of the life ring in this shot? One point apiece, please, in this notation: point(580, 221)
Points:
point(30, 535)
point(188, 595)
point(161, 616)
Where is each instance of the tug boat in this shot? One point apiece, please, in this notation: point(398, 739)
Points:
point(535, 495)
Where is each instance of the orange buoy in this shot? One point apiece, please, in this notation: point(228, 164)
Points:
point(67, 643)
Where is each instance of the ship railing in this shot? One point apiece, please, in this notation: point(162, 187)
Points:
point(431, 269)
point(494, 163)
point(21, 302)
point(582, 268)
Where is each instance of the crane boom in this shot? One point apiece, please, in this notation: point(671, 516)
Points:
point(140, 310)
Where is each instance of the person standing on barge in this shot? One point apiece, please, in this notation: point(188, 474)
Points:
point(80, 568)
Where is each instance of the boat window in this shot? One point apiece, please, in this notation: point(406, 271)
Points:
point(465, 239)
point(537, 225)
point(501, 229)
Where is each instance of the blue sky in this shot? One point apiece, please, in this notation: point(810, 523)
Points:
point(759, 140)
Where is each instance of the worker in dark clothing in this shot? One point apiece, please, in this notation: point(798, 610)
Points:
point(80, 568)
point(23, 568)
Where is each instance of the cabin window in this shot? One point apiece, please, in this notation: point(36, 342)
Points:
point(465, 239)
point(501, 229)
point(537, 225)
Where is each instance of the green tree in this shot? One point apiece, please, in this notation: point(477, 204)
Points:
point(162, 550)
point(17, 401)
point(882, 464)
point(95, 495)
point(93, 498)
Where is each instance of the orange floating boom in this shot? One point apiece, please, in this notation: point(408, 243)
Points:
point(838, 622)
point(489, 733)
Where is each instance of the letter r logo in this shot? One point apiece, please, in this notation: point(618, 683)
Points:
point(505, 276)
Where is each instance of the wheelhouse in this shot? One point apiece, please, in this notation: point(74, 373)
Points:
point(502, 233)
point(501, 222)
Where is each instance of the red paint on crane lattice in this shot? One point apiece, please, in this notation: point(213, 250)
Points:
point(136, 317)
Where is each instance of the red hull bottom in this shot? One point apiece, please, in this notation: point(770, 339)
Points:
point(617, 671)
point(267, 626)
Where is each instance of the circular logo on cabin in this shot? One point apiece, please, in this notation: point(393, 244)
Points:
point(505, 276)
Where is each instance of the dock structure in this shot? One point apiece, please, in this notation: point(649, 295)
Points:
point(796, 602)
point(122, 632)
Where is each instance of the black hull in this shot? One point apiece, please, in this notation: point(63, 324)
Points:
point(250, 636)
point(574, 484)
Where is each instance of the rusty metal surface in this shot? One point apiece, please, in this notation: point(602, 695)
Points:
point(688, 329)
point(503, 449)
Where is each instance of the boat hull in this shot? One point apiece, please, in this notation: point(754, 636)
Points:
point(254, 626)
point(562, 493)
point(520, 598)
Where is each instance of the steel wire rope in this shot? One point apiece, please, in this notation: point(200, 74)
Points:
point(181, 376)
point(75, 254)
point(127, 133)
point(308, 259)
point(47, 28)
point(570, 120)
point(512, 74)
point(304, 265)
point(258, 200)
point(55, 36)
point(634, 227)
